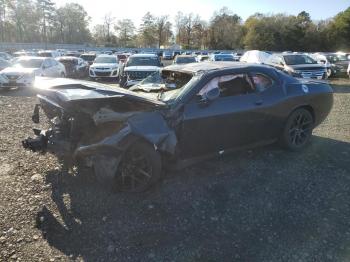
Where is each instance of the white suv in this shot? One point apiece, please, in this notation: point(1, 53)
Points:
point(104, 66)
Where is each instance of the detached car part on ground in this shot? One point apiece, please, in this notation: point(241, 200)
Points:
point(176, 116)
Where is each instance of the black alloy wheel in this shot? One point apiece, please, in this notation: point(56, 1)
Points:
point(139, 169)
point(298, 129)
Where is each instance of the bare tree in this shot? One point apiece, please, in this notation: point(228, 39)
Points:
point(108, 22)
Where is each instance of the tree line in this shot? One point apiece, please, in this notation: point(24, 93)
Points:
point(41, 21)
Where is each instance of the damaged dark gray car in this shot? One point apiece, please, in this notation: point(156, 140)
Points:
point(182, 113)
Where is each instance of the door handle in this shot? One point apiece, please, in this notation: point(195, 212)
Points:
point(258, 102)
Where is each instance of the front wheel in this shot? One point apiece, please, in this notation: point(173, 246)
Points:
point(298, 130)
point(139, 169)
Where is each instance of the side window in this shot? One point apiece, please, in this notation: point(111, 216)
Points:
point(261, 81)
point(47, 63)
point(53, 62)
point(230, 85)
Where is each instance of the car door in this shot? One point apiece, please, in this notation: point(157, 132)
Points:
point(234, 119)
point(55, 68)
point(46, 68)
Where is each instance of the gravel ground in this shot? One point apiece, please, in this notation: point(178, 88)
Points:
point(258, 205)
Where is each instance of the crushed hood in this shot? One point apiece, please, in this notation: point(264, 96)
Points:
point(67, 92)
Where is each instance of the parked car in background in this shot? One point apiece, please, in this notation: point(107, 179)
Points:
point(4, 64)
point(175, 53)
point(297, 65)
point(23, 72)
point(49, 53)
point(75, 67)
point(88, 57)
point(185, 59)
point(138, 67)
point(335, 63)
point(221, 57)
point(24, 53)
point(167, 55)
point(104, 66)
point(123, 57)
point(237, 56)
point(202, 58)
point(73, 53)
point(255, 56)
point(129, 137)
point(5, 56)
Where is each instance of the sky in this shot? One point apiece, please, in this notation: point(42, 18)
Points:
point(318, 9)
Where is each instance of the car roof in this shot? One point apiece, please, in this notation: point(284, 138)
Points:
point(210, 66)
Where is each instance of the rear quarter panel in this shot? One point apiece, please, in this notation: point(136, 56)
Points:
point(317, 95)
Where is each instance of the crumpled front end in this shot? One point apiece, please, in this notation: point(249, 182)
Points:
point(99, 138)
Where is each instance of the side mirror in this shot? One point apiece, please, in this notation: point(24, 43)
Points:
point(161, 64)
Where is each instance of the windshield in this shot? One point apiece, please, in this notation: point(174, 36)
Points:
point(4, 63)
point(168, 85)
point(88, 58)
point(298, 60)
point(29, 63)
point(185, 60)
point(45, 54)
point(336, 58)
point(106, 60)
point(143, 61)
point(223, 58)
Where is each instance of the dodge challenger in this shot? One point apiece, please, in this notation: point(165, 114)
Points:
point(182, 113)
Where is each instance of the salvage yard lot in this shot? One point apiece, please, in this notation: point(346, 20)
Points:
point(255, 205)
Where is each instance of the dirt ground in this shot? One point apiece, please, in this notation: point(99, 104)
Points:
point(257, 205)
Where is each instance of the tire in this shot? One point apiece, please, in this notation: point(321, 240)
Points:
point(298, 130)
point(139, 169)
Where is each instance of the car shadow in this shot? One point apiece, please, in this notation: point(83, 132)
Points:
point(341, 86)
point(19, 92)
point(264, 204)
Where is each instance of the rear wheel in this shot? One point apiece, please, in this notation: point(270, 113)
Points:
point(298, 130)
point(139, 169)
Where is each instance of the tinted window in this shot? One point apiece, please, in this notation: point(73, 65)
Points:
point(261, 82)
point(88, 58)
point(29, 63)
point(106, 59)
point(298, 59)
point(143, 61)
point(185, 60)
point(230, 85)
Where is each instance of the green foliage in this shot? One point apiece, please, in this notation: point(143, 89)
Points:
point(42, 21)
